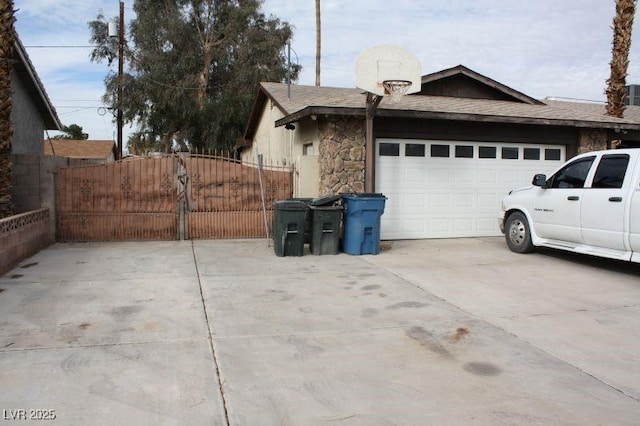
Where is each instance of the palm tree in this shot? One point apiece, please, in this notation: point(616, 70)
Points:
point(7, 37)
point(616, 84)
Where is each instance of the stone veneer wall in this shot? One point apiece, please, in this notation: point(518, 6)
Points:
point(592, 140)
point(342, 152)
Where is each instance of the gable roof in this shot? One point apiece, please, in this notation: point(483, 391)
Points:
point(27, 72)
point(313, 100)
point(468, 77)
point(72, 148)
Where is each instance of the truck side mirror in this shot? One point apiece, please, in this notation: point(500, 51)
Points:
point(540, 180)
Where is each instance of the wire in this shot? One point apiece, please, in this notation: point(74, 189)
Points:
point(61, 47)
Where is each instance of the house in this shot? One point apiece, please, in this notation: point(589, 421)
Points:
point(32, 113)
point(444, 156)
point(32, 225)
point(97, 151)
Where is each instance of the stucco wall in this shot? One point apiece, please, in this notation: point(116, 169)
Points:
point(274, 143)
point(342, 154)
point(28, 125)
point(284, 147)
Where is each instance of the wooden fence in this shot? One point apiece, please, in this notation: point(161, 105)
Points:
point(165, 198)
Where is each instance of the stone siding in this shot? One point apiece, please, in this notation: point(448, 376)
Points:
point(342, 154)
point(592, 140)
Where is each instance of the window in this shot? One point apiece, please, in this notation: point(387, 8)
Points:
point(440, 151)
point(552, 154)
point(414, 150)
point(307, 149)
point(509, 153)
point(464, 151)
point(572, 175)
point(389, 149)
point(487, 152)
point(611, 171)
point(532, 153)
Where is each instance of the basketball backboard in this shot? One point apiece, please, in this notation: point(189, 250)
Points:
point(387, 63)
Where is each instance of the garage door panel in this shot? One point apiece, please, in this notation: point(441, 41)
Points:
point(464, 177)
point(489, 201)
point(461, 201)
point(441, 197)
point(438, 176)
point(414, 200)
point(487, 176)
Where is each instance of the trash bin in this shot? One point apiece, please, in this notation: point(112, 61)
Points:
point(326, 217)
point(307, 235)
point(362, 214)
point(289, 221)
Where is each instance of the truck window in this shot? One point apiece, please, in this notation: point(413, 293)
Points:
point(610, 172)
point(572, 175)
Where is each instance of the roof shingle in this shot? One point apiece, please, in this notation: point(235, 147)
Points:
point(304, 99)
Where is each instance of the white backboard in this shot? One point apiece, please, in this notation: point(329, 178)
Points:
point(387, 62)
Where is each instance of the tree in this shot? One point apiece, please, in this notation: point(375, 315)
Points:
point(72, 131)
point(7, 38)
point(616, 84)
point(193, 69)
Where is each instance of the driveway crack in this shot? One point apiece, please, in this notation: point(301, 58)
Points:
point(216, 362)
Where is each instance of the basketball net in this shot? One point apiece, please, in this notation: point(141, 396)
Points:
point(396, 89)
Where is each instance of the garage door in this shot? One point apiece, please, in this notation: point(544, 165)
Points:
point(444, 189)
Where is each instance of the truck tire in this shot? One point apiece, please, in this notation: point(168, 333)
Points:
point(517, 233)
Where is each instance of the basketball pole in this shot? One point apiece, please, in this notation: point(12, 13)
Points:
point(372, 105)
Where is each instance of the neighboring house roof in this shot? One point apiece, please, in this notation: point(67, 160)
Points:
point(25, 69)
point(72, 148)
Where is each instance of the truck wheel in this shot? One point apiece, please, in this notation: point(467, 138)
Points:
point(517, 233)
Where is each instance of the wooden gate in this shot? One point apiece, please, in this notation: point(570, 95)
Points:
point(169, 197)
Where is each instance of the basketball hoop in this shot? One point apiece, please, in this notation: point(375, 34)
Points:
point(396, 89)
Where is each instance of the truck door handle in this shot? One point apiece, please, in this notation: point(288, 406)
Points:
point(615, 199)
point(573, 198)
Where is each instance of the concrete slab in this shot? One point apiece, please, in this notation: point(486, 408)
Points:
point(141, 384)
point(310, 345)
point(224, 332)
point(579, 309)
point(108, 334)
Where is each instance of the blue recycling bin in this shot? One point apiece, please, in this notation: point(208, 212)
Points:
point(362, 213)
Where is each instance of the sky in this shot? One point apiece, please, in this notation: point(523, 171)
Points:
point(543, 48)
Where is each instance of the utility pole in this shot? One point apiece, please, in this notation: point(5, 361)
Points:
point(120, 72)
point(318, 42)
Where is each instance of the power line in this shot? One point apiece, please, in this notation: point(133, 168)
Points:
point(62, 47)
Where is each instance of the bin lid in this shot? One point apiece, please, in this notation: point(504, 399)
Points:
point(325, 201)
point(290, 205)
point(364, 195)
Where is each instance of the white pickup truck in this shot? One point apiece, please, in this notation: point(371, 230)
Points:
point(589, 205)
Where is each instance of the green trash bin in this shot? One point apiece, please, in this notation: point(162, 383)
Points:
point(289, 220)
point(325, 229)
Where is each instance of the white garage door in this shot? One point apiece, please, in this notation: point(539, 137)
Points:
point(444, 189)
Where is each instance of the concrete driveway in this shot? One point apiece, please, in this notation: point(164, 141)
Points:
point(224, 332)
